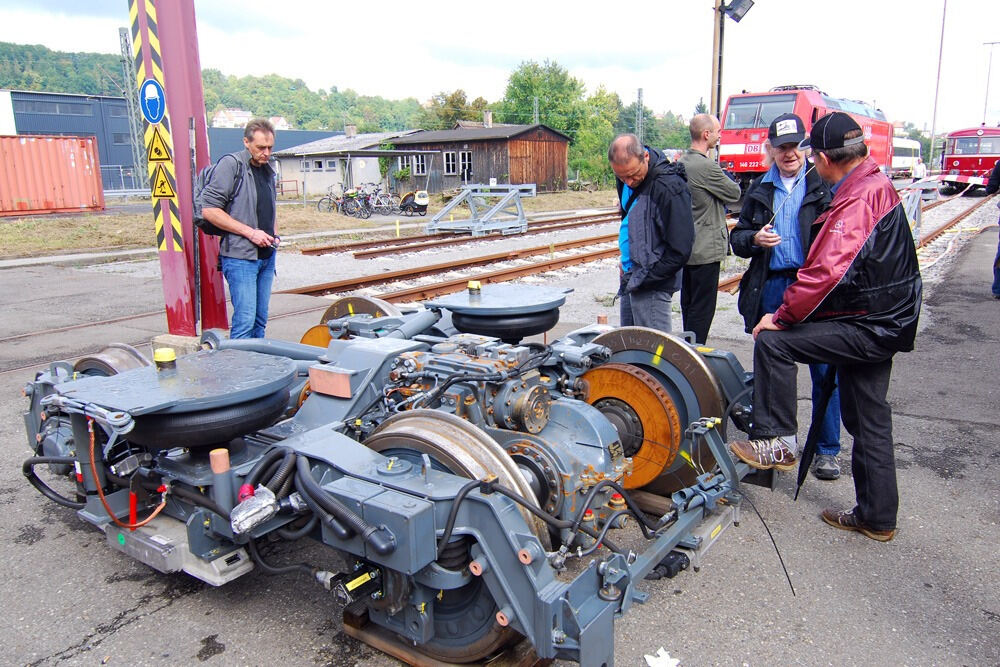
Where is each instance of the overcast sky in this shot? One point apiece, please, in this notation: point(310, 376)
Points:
point(879, 51)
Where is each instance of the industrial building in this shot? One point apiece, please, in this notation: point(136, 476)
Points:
point(25, 112)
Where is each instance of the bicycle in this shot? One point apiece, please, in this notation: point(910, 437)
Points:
point(382, 202)
point(329, 202)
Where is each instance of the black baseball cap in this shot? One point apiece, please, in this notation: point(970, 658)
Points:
point(828, 132)
point(786, 129)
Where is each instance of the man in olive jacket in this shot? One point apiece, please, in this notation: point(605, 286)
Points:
point(710, 189)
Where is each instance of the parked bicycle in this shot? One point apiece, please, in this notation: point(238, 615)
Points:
point(330, 201)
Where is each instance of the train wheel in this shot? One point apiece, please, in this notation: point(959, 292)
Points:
point(686, 386)
point(465, 618)
point(359, 305)
point(112, 360)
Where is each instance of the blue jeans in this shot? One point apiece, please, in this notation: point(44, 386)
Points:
point(250, 289)
point(829, 434)
point(996, 273)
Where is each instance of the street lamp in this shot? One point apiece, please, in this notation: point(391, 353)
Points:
point(989, 69)
point(937, 87)
point(735, 10)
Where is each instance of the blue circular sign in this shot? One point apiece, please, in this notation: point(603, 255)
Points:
point(152, 101)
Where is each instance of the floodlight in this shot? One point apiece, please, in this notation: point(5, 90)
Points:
point(737, 9)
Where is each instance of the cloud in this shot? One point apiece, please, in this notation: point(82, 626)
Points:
point(664, 48)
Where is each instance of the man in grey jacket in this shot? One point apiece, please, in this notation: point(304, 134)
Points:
point(240, 199)
point(710, 189)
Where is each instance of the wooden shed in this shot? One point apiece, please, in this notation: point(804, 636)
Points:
point(513, 154)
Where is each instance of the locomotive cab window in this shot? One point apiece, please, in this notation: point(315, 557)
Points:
point(966, 146)
point(990, 145)
point(757, 111)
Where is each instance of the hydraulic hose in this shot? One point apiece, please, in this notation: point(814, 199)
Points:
point(292, 534)
point(277, 569)
point(190, 495)
point(259, 468)
point(378, 537)
point(28, 469)
point(338, 528)
point(283, 472)
point(489, 487)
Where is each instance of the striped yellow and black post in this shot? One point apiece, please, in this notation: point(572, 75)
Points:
point(168, 78)
point(162, 174)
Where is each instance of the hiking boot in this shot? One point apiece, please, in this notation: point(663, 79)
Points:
point(826, 467)
point(764, 454)
point(845, 520)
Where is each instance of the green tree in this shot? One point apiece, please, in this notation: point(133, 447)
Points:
point(445, 109)
point(913, 132)
point(588, 151)
point(650, 129)
point(674, 131)
point(701, 107)
point(560, 97)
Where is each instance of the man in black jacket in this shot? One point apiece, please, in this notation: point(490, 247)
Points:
point(656, 232)
point(774, 232)
point(991, 187)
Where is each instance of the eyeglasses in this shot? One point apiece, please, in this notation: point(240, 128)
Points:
point(786, 148)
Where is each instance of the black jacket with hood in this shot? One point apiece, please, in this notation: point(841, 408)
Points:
point(660, 227)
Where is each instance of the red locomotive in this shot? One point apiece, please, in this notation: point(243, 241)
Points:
point(971, 152)
point(747, 117)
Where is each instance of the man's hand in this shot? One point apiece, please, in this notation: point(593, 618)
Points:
point(260, 238)
point(766, 324)
point(766, 238)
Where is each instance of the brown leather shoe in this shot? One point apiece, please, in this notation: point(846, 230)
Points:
point(764, 454)
point(846, 520)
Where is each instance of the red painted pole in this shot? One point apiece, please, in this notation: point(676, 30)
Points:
point(186, 99)
point(168, 74)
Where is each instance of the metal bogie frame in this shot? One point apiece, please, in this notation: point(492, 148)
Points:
point(450, 548)
point(505, 216)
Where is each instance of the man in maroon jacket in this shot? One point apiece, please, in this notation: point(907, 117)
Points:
point(855, 303)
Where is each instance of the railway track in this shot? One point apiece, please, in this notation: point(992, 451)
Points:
point(422, 241)
point(351, 284)
point(444, 287)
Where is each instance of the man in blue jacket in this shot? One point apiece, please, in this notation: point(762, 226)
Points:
point(656, 232)
point(240, 199)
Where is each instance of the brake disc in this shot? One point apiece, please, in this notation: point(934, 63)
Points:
point(692, 388)
point(642, 412)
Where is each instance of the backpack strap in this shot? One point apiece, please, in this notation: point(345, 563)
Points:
point(237, 180)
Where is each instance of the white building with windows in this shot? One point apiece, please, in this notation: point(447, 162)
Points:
point(347, 161)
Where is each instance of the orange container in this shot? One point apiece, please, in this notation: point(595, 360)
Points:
point(46, 174)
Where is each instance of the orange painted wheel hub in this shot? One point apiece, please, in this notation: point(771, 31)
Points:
point(644, 415)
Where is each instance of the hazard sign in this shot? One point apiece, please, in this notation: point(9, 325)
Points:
point(161, 184)
point(158, 151)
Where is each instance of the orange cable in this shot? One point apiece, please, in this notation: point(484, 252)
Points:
point(100, 491)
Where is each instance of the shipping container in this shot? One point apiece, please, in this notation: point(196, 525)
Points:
point(46, 174)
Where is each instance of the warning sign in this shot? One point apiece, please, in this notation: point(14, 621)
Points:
point(161, 187)
point(158, 151)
